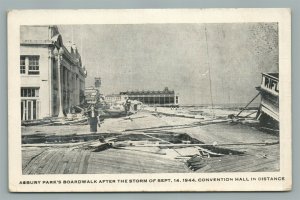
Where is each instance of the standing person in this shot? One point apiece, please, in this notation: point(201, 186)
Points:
point(93, 119)
point(127, 106)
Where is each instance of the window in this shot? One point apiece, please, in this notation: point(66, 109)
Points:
point(29, 109)
point(29, 92)
point(33, 68)
point(22, 65)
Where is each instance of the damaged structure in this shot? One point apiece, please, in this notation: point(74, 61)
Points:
point(52, 74)
point(268, 113)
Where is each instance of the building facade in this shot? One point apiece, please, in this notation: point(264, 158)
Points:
point(164, 98)
point(52, 75)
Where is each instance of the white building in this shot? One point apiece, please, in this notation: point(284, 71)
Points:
point(52, 75)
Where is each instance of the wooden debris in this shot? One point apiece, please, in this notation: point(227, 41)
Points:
point(196, 162)
point(196, 145)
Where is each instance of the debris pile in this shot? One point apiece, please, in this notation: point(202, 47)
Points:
point(196, 162)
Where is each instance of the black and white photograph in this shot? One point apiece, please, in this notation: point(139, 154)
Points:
point(191, 102)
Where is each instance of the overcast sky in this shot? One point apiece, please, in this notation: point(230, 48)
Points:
point(179, 56)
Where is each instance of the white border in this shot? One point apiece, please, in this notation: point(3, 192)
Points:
point(46, 17)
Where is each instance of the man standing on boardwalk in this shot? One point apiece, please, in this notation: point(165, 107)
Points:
point(127, 106)
point(94, 119)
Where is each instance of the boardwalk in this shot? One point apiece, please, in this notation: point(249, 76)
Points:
point(83, 161)
point(243, 163)
point(81, 158)
point(80, 161)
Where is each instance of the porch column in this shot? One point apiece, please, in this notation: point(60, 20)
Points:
point(58, 56)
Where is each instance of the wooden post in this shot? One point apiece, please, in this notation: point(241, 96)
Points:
point(247, 104)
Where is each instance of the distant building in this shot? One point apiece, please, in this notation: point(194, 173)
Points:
point(52, 75)
point(165, 98)
point(112, 98)
point(92, 94)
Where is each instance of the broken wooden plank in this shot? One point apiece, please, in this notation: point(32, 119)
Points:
point(196, 145)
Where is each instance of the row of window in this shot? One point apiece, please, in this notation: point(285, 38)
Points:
point(33, 65)
point(29, 92)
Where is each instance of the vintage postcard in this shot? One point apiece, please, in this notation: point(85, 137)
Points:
point(149, 100)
